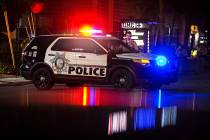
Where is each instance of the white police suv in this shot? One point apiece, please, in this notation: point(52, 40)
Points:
point(75, 60)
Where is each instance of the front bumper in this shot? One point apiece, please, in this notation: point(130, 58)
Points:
point(156, 74)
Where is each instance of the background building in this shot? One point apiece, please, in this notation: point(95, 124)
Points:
point(69, 16)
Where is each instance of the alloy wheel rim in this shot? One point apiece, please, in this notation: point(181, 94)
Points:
point(121, 80)
point(42, 80)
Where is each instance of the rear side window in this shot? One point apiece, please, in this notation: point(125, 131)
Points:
point(37, 47)
point(76, 45)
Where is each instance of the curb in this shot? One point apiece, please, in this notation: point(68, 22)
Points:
point(20, 83)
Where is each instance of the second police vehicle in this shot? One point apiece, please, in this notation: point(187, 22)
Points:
point(76, 60)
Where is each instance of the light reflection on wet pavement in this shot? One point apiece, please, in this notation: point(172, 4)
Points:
point(103, 111)
point(104, 96)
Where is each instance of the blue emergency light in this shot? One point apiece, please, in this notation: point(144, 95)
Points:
point(161, 61)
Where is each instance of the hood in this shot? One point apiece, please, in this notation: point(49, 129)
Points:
point(140, 55)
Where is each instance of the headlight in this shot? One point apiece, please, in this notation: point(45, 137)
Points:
point(161, 61)
point(142, 61)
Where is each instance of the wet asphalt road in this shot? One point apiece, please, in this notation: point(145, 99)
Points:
point(103, 112)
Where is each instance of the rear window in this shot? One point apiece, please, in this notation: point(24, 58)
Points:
point(42, 42)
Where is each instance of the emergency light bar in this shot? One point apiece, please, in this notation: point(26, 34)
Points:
point(88, 30)
point(91, 31)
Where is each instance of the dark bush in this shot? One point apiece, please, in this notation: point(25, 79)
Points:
point(8, 69)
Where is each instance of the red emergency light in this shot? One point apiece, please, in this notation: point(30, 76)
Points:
point(84, 18)
point(37, 7)
point(92, 31)
point(88, 30)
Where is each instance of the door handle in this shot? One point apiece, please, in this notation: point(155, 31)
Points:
point(51, 54)
point(82, 56)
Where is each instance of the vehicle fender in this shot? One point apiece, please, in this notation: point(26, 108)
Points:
point(114, 68)
point(40, 65)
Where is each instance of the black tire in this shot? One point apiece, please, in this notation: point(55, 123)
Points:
point(42, 79)
point(122, 78)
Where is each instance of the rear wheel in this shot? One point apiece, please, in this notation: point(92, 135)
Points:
point(42, 79)
point(122, 78)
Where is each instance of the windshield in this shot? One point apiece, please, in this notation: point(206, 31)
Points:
point(116, 46)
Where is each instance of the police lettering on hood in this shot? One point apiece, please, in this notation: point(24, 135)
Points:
point(87, 71)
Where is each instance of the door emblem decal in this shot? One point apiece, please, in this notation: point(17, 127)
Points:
point(59, 63)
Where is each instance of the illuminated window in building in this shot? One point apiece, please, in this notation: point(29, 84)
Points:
point(136, 33)
point(196, 38)
point(144, 119)
point(131, 25)
point(194, 29)
point(140, 33)
point(139, 42)
point(148, 41)
point(134, 37)
point(201, 42)
point(169, 116)
point(117, 122)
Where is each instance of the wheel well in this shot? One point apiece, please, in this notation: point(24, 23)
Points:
point(38, 66)
point(126, 68)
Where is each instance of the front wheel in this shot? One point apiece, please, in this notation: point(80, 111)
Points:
point(42, 79)
point(122, 78)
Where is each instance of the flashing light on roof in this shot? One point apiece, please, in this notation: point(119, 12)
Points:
point(91, 31)
point(87, 30)
point(108, 35)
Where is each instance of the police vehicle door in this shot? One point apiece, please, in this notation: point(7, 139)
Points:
point(60, 55)
point(91, 59)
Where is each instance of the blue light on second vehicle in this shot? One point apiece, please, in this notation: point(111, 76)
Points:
point(161, 61)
